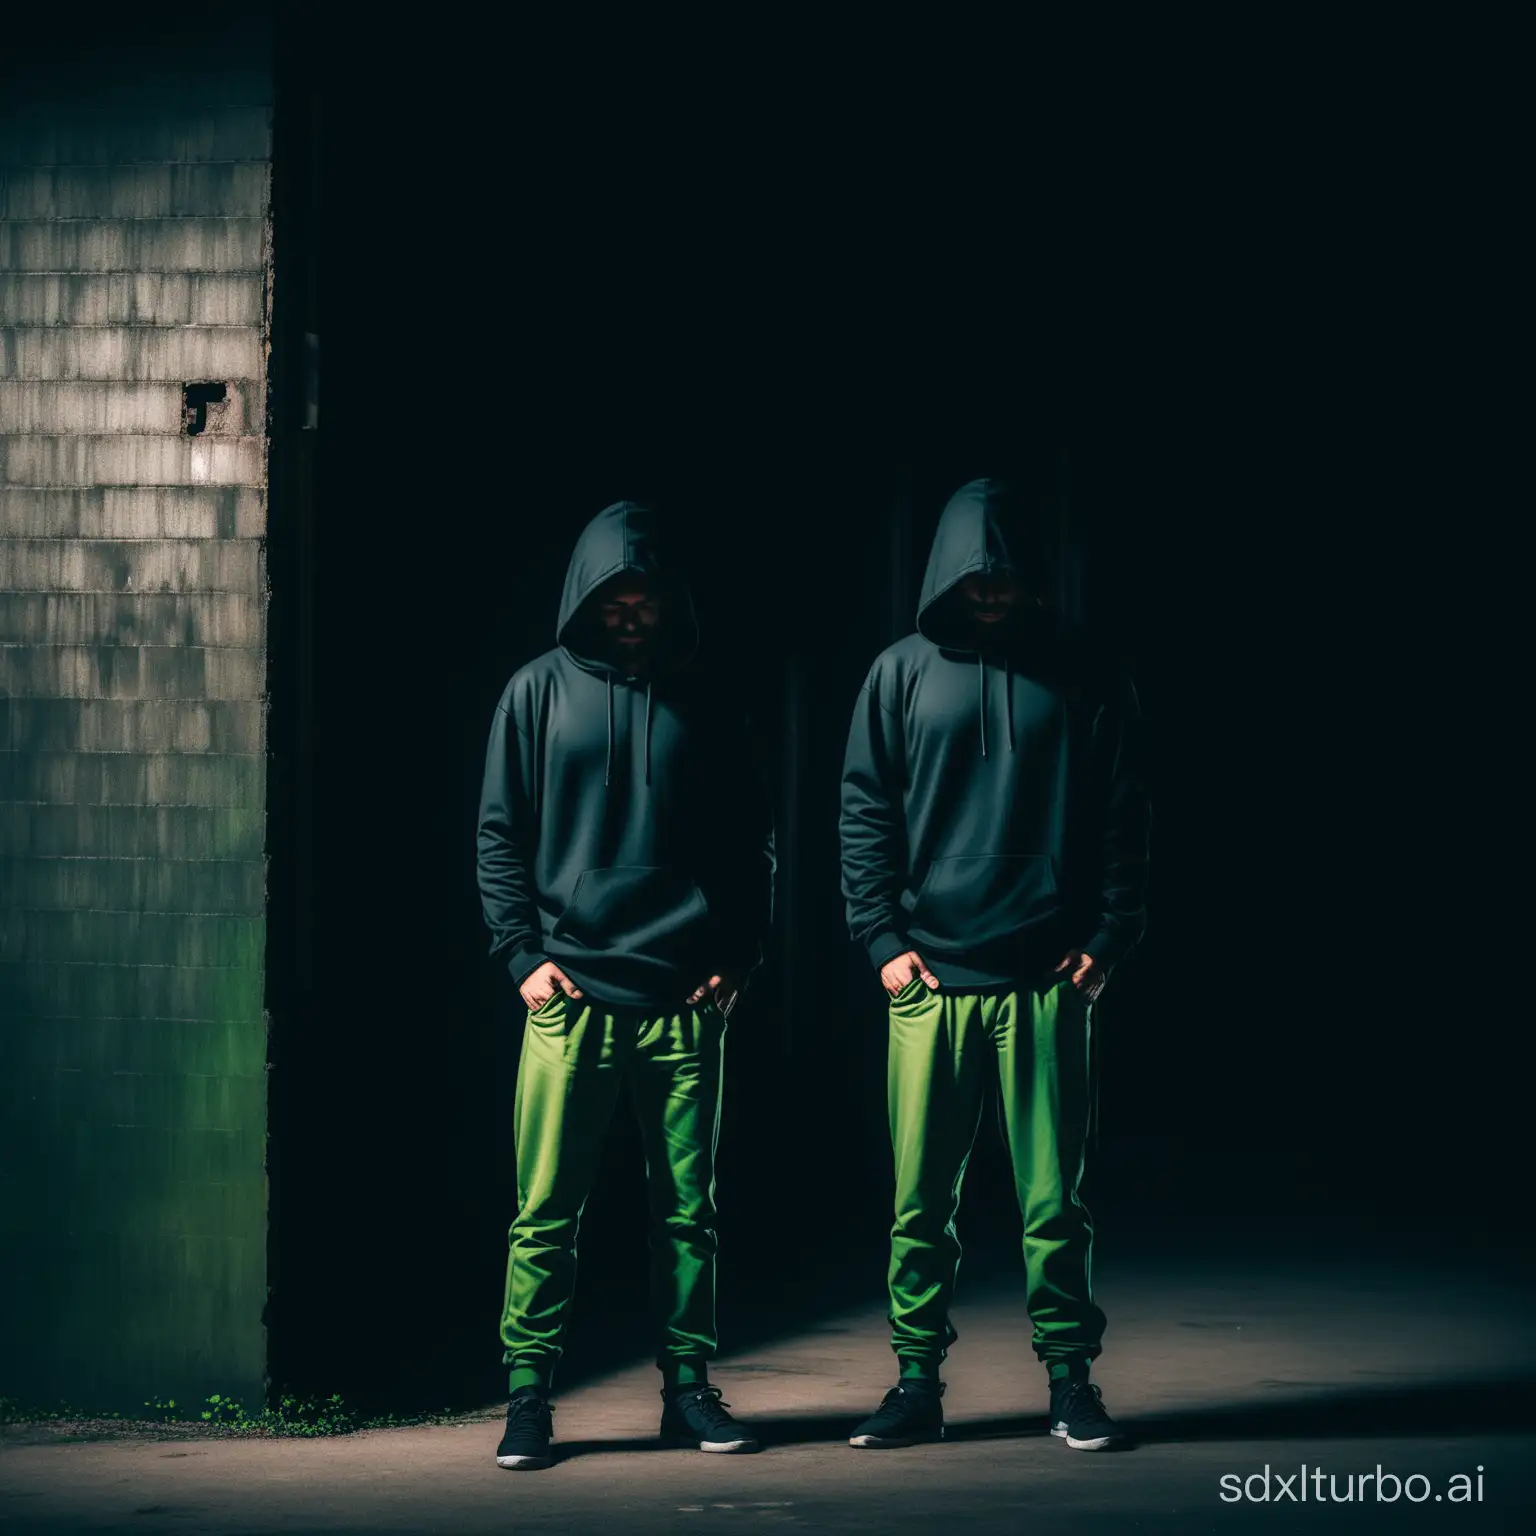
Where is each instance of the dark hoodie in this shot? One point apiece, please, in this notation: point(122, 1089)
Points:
point(623, 832)
point(993, 812)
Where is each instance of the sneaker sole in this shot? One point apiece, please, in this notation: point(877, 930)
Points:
point(523, 1463)
point(713, 1447)
point(1102, 1443)
point(892, 1443)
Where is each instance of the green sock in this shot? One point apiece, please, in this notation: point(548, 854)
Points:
point(526, 1376)
point(1063, 1368)
point(684, 1373)
point(918, 1369)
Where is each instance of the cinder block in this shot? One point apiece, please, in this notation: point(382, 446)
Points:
point(88, 988)
point(72, 672)
point(105, 1165)
point(41, 1045)
point(48, 411)
point(133, 512)
point(140, 885)
point(132, 298)
point(134, 460)
point(151, 725)
point(131, 353)
point(141, 938)
point(133, 778)
point(56, 565)
point(170, 1212)
point(175, 672)
point(111, 618)
point(132, 245)
point(40, 408)
point(126, 191)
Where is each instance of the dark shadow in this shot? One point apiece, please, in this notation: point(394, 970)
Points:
point(1355, 1415)
point(822, 1428)
point(1379, 1414)
point(569, 1450)
point(804, 1429)
point(1012, 1426)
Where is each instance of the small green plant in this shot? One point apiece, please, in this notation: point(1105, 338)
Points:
point(222, 1410)
point(288, 1416)
point(306, 1416)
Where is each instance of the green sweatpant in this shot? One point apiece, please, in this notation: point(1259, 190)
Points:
point(943, 1046)
point(575, 1057)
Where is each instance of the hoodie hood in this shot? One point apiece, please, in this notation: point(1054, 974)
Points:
point(978, 531)
point(623, 537)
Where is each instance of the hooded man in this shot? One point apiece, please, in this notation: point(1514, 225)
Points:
point(994, 854)
point(626, 866)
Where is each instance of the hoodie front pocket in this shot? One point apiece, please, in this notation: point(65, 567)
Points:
point(973, 901)
point(641, 908)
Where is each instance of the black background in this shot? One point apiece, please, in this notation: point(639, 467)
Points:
point(763, 289)
point(770, 280)
point(771, 292)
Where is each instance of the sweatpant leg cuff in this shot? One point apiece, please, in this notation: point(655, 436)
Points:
point(1068, 1365)
point(683, 1372)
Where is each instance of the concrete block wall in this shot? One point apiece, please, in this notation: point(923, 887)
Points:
point(134, 260)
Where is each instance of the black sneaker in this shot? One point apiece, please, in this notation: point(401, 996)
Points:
point(696, 1416)
point(1078, 1416)
point(525, 1445)
point(909, 1414)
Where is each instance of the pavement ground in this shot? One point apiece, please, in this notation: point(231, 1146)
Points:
point(1219, 1367)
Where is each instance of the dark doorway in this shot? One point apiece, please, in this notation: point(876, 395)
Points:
point(544, 279)
point(489, 384)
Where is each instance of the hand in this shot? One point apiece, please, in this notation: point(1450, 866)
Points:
point(1088, 976)
point(726, 987)
point(895, 974)
point(541, 985)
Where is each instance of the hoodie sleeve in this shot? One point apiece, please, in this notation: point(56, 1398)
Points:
point(505, 841)
point(1126, 815)
point(872, 829)
point(748, 843)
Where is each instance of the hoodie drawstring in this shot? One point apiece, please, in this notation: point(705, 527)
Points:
point(608, 766)
point(981, 693)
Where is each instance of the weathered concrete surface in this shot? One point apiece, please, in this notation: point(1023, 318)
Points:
point(1218, 1371)
point(134, 255)
point(136, 512)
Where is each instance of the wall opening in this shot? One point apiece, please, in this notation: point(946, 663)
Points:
point(195, 402)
